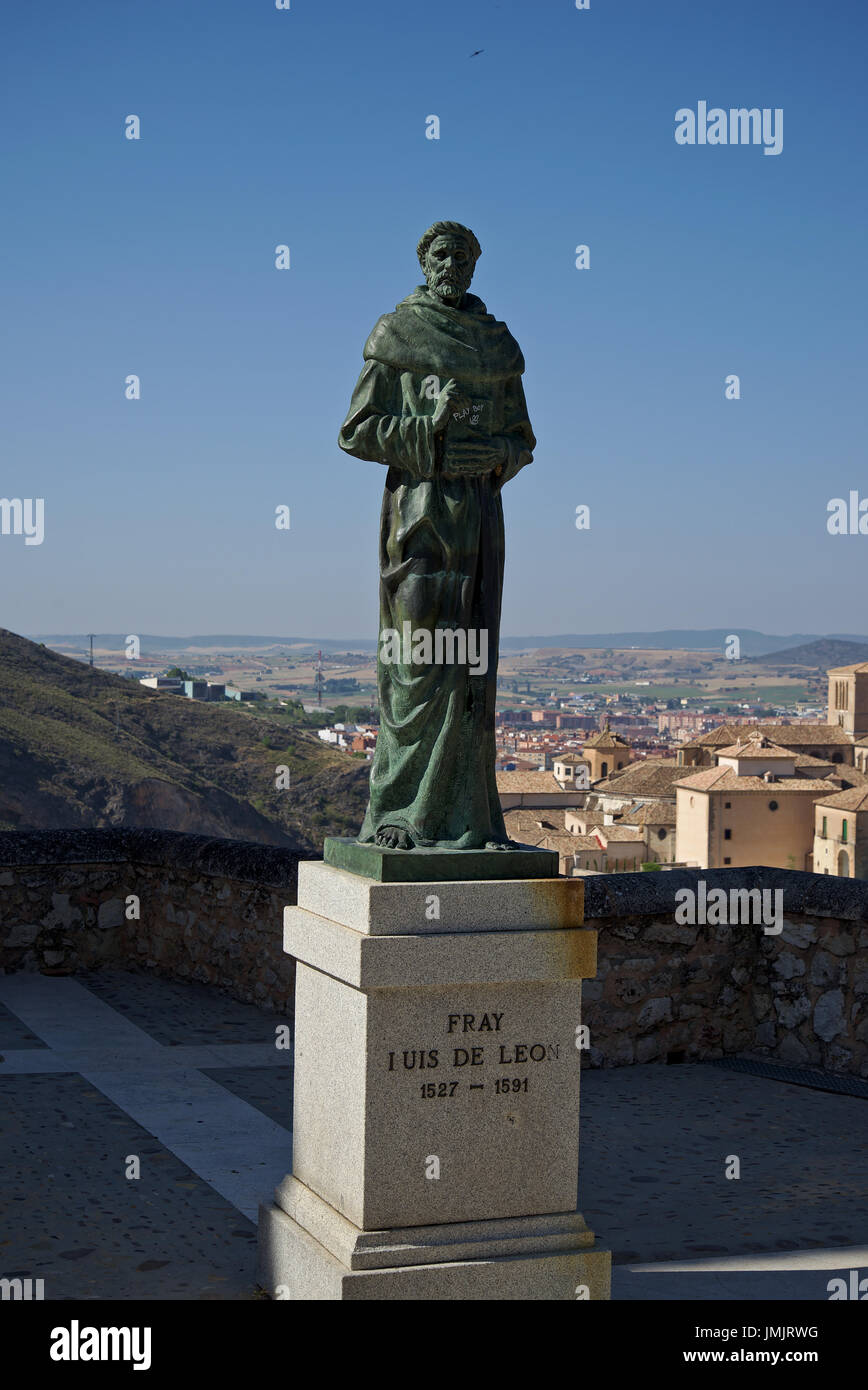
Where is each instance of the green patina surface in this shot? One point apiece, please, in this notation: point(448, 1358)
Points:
point(437, 865)
point(440, 403)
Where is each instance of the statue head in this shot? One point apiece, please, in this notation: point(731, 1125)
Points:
point(448, 253)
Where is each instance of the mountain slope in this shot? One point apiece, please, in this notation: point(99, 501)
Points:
point(81, 748)
point(826, 652)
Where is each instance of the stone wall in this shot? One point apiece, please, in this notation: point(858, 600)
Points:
point(211, 910)
point(671, 992)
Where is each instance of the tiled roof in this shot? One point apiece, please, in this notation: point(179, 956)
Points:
point(846, 777)
point(571, 844)
point(724, 733)
point(650, 813)
point(861, 667)
point(785, 735)
point(652, 777)
point(529, 826)
point(856, 799)
point(591, 821)
point(606, 739)
point(756, 747)
point(528, 782)
point(788, 735)
point(618, 832)
point(720, 779)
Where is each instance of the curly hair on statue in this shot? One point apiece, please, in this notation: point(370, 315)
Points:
point(448, 229)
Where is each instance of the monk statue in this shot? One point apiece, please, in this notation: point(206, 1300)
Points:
point(440, 403)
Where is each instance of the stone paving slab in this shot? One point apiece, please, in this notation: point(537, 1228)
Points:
point(652, 1156)
point(801, 1277)
point(259, 1087)
point(16, 1035)
point(68, 1214)
point(232, 1055)
point(174, 1012)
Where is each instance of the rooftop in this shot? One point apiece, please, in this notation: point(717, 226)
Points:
point(856, 799)
point(527, 782)
point(618, 832)
point(756, 747)
point(606, 739)
point(651, 777)
point(649, 813)
point(785, 735)
point(720, 779)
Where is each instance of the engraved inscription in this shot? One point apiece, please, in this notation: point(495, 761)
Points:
point(473, 1054)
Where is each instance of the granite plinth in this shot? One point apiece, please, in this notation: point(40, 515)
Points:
point(461, 1240)
point(403, 909)
point(436, 1108)
point(438, 865)
point(437, 1103)
point(369, 961)
point(314, 1254)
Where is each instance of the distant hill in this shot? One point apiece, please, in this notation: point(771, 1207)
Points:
point(824, 653)
point(753, 643)
point(82, 748)
point(152, 642)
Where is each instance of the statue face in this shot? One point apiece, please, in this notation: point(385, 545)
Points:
point(449, 268)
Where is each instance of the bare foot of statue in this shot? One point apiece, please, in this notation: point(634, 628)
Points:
point(501, 844)
point(391, 837)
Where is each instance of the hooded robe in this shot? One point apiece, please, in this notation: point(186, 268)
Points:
point(441, 561)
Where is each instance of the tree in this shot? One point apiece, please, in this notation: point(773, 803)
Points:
point(178, 673)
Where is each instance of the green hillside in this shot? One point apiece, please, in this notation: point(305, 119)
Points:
point(82, 748)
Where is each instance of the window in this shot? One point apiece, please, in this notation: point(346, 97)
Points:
point(824, 832)
point(773, 805)
point(727, 805)
point(727, 861)
point(604, 769)
point(661, 834)
point(727, 834)
point(844, 832)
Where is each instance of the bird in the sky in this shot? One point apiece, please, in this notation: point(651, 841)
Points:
point(478, 50)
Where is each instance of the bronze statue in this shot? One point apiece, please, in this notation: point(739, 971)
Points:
point(439, 402)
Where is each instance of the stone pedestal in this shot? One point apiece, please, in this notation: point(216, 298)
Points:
point(436, 1117)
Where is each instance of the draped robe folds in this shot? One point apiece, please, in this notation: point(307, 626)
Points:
point(441, 562)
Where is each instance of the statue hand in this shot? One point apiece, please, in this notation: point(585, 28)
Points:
point(451, 401)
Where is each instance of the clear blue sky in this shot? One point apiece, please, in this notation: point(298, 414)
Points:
point(307, 127)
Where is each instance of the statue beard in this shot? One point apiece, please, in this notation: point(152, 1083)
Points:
point(448, 285)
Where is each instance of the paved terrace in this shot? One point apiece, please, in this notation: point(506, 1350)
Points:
point(114, 1063)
